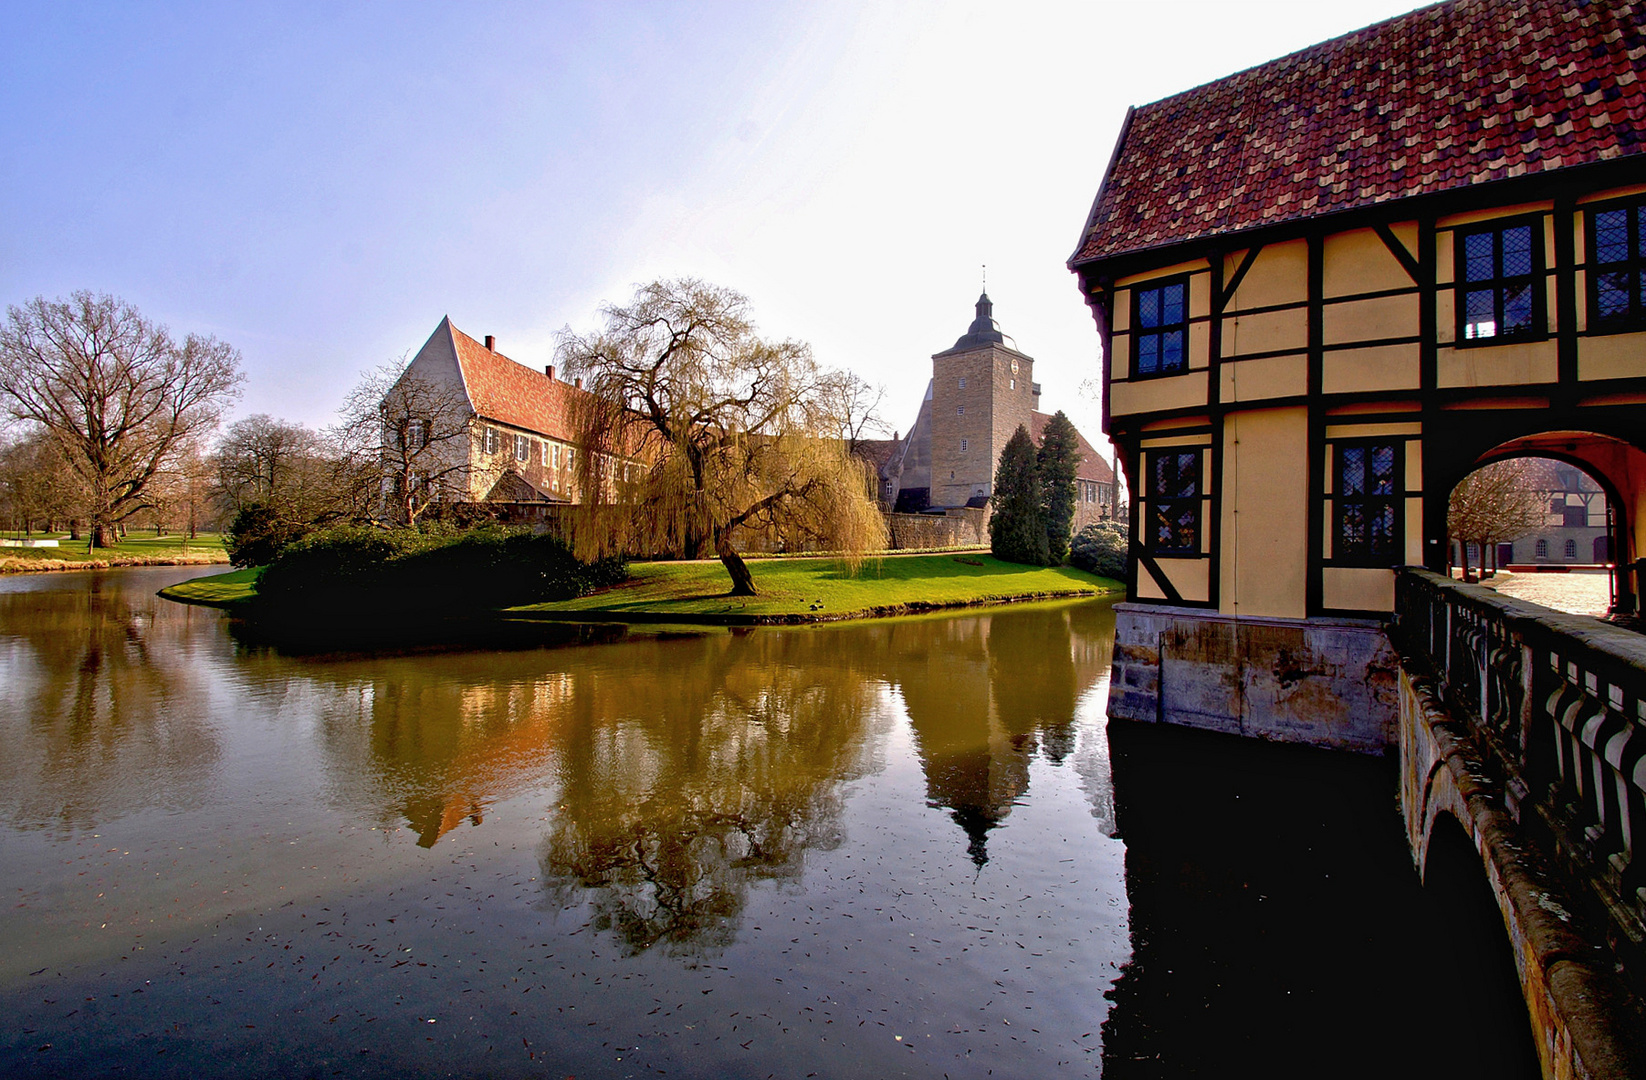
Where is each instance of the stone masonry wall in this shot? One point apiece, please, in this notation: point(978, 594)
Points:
point(993, 410)
point(1320, 682)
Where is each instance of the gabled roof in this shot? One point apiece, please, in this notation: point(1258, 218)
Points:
point(1448, 96)
point(511, 393)
point(1092, 465)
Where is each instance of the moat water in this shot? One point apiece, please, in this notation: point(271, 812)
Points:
point(891, 848)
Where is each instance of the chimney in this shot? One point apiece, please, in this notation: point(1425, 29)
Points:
point(491, 343)
point(549, 371)
point(578, 383)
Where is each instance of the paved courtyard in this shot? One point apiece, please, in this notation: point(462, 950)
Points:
point(1580, 592)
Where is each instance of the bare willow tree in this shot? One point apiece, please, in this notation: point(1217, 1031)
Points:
point(406, 440)
point(1500, 501)
point(732, 435)
point(119, 395)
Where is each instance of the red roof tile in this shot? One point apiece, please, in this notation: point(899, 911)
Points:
point(1451, 95)
point(512, 393)
point(1092, 465)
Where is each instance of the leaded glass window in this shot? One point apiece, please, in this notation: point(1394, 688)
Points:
point(1160, 329)
point(1498, 283)
point(1174, 502)
point(1617, 258)
point(1368, 496)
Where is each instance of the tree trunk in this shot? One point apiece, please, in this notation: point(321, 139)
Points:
point(74, 529)
point(742, 582)
point(102, 535)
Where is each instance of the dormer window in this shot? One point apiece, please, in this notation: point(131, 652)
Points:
point(1498, 272)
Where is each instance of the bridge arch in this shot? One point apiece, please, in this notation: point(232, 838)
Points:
point(1612, 453)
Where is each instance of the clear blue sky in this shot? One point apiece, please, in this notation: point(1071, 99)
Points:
point(319, 184)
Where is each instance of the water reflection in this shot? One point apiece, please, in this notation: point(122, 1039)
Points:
point(103, 711)
point(676, 770)
point(984, 694)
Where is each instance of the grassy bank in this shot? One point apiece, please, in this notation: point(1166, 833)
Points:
point(792, 590)
point(220, 590)
point(806, 590)
point(138, 548)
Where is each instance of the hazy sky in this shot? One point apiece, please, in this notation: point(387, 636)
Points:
point(318, 185)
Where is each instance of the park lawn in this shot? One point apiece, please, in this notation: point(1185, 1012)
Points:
point(136, 544)
point(821, 588)
point(219, 590)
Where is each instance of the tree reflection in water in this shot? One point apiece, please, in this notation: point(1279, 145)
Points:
point(111, 721)
point(686, 768)
point(713, 764)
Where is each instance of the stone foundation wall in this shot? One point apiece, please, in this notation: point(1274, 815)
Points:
point(1320, 682)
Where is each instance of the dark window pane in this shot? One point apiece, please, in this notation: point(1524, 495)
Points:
point(1612, 291)
point(1517, 251)
point(1517, 310)
point(1188, 475)
point(1353, 468)
point(1383, 470)
point(1148, 354)
point(1171, 351)
point(1382, 530)
point(1477, 257)
point(1612, 236)
point(1173, 305)
point(1148, 308)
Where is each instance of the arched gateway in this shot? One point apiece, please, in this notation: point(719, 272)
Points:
point(1330, 286)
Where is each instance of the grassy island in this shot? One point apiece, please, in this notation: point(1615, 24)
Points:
point(791, 590)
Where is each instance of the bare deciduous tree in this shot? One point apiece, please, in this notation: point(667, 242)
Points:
point(406, 442)
point(1496, 502)
point(119, 396)
point(267, 461)
point(735, 433)
point(37, 488)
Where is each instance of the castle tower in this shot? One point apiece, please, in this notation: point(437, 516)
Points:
point(982, 389)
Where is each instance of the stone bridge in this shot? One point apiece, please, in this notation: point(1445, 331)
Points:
point(1523, 733)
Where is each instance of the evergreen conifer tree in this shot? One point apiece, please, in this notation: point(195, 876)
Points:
point(1017, 522)
point(1059, 460)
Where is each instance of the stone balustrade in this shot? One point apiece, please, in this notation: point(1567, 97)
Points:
point(1558, 704)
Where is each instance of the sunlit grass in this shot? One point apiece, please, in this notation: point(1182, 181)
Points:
point(218, 590)
point(826, 588)
point(136, 544)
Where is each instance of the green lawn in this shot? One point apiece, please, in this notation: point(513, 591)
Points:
point(822, 588)
point(219, 590)
point(790, 589)
point(137, 545)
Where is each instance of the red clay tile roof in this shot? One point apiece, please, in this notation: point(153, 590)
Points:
point(1092, 465)
point(1447, 96)
point(512, 393)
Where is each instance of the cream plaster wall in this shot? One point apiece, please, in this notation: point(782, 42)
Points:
point(1381, 367)
point(1151, 395)
point(1498, 365)
point(1265, 513)
point(1357, 589)
point(1268, 377)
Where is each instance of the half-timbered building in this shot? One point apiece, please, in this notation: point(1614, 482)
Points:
point(1328, 288)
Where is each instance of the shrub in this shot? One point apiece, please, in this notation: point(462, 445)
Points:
point(257, 534)
point(386, 572)
point(1101, 548)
